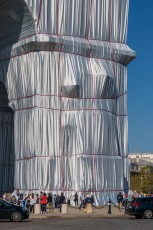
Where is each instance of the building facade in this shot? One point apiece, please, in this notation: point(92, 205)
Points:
point(64, 66)
point(139, 160)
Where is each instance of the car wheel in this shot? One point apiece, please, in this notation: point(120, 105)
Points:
point(148, 214)
point(16, 217)
point(138, 217)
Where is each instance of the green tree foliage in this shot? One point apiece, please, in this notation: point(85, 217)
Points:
point(142, 182)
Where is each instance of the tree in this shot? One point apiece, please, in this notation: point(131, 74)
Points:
point(142, 182)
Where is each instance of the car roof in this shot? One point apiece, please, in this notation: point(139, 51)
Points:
point(144, 197)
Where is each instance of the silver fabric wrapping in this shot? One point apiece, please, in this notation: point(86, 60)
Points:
point(7, 154)
point(67, 83)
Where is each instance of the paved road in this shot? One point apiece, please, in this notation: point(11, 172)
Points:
point(79, 224)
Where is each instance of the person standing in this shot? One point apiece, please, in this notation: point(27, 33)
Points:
point(82, 197)
point(88, 200)
point(109, 206)
point(13, 201)
point(41, 206)
point(37, 198)
point(50, 202)
point(92, 199)
point(119, 200)
point(76, 199)
point(44, 202)
point(28, 202)
point(32, 203)
point(61, 200)
point(57, 201)
point(18, 198)
point(23, 201)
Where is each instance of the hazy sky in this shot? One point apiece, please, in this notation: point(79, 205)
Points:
point(140, 76)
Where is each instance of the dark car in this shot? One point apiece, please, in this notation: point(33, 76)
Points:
point(141, 207)
point(13, 212)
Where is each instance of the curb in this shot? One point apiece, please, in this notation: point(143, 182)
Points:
point(81, 216)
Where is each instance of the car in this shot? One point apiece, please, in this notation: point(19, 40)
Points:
point(13, 212)
point(141, 207)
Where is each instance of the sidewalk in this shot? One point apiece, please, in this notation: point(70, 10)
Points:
point(76, 213)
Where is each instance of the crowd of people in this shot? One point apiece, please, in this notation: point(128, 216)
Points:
point(47, 201)
point(28, 201)
point(50, 201)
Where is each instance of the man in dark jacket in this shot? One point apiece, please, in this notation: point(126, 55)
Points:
point(50, 202)
point(119, 200)
point(61, 200)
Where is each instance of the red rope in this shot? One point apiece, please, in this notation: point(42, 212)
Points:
point(72, 155)
point(75, 98)
point(64, 110)
point(39, 14)
point(109, 190)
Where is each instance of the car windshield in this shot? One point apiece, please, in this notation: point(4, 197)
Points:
point(4, 203)
point(143, 200)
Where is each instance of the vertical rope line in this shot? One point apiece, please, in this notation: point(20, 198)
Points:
point(111, 38)
point(110, 22)
point(114, 69)
point(59, 93)
point(89, 20)
point(58, 15)
point(39, 14)
point(93, 101)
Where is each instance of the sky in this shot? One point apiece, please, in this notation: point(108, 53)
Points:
point(140, 76)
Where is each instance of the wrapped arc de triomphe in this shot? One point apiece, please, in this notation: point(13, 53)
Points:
point(64, 126)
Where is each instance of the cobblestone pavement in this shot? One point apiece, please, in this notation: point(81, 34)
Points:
point(76, 213)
